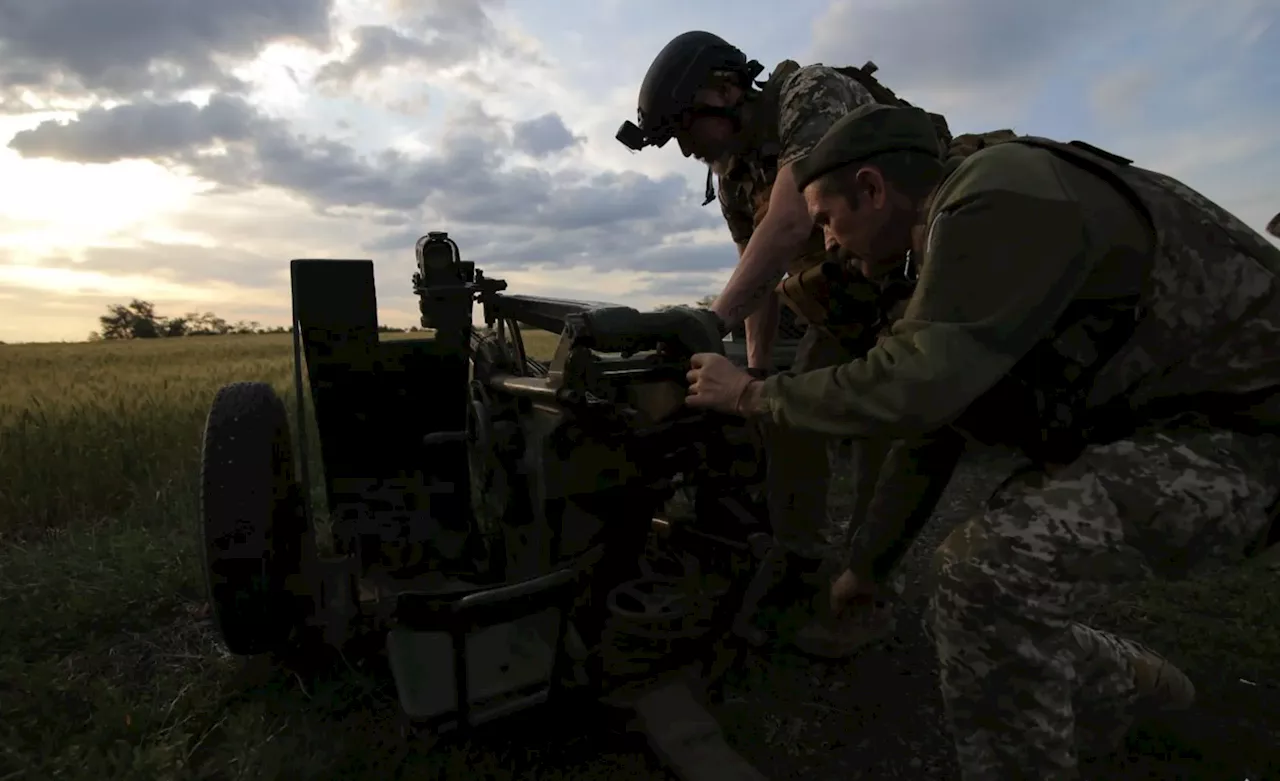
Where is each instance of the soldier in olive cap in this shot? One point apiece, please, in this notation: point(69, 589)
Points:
point(702, 92)
point(1117, 327)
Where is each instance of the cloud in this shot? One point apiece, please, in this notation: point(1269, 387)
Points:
point(492, 157)
point(469, 181)
point(145, 129)
point(378, 48)
point(1196, 95)
point(185, 264)
point(72, 49)
point(194, 154)
point(66, 306)
point(596, 248)
point(1188, 87)
point(1119, 96)
point(685, 288)
point(544, 136)
point(427, 39)
point(979, 54)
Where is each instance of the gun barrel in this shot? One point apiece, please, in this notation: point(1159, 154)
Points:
point(528, 387)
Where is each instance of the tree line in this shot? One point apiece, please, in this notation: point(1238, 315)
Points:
point(139, 320)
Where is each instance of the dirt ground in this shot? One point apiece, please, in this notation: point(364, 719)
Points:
point(110, 669)
point(879, 716)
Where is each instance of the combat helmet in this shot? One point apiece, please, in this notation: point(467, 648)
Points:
point(676, 74)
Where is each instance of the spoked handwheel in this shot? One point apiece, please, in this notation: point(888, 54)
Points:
point(257, 540)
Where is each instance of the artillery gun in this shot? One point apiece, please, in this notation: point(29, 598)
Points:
point(497, 522)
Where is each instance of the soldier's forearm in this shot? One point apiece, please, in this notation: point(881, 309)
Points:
point(762, 328)
point(913, 476)
point(868, 459)
point(777, 240)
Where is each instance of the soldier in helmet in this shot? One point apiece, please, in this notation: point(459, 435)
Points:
point(1119, 329)
point(701, 91)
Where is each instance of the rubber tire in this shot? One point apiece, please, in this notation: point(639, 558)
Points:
point(253, 520)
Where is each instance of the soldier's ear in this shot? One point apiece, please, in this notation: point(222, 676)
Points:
point(871, 184)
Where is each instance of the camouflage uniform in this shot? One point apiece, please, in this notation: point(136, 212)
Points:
point(786, 119)
point(1121, 330)
point(794, 110)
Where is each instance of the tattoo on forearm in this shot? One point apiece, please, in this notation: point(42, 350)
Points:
point(740, 313)
point(737, 314)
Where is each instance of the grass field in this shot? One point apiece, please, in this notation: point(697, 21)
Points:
point(109, 670)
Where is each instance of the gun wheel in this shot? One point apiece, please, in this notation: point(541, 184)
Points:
point(254, 528)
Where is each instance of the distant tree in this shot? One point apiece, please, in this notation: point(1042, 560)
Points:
point(702, 303)
point(138, 320)
point(207, 324)
point(175, 326)
point(241, 327)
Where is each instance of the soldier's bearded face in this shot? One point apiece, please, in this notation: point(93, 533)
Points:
point(707, 137)
point(862, 226)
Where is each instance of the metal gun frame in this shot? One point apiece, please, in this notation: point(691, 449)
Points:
point(580, 454)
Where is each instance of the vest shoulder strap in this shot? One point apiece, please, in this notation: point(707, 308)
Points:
point(1076, 149)
point(1100, 162)
point(885, 96)
point(771, 92)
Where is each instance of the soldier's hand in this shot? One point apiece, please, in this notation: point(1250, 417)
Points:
point(848, 593)
point(716, 384)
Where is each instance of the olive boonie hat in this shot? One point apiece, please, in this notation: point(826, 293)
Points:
point(867, 131)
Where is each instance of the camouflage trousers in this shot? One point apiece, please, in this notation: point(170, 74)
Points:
point(1027, 687)
point(798, 477)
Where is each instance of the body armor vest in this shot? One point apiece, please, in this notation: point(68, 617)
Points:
point(1201, 335)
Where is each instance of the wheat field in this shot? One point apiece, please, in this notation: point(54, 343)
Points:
point(109, 668)
point(93, 432)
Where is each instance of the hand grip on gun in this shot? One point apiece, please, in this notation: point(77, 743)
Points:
point(625, 330)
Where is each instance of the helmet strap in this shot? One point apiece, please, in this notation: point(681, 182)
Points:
point(733, 114)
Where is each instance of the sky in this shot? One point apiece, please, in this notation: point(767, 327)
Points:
point(184, 151)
